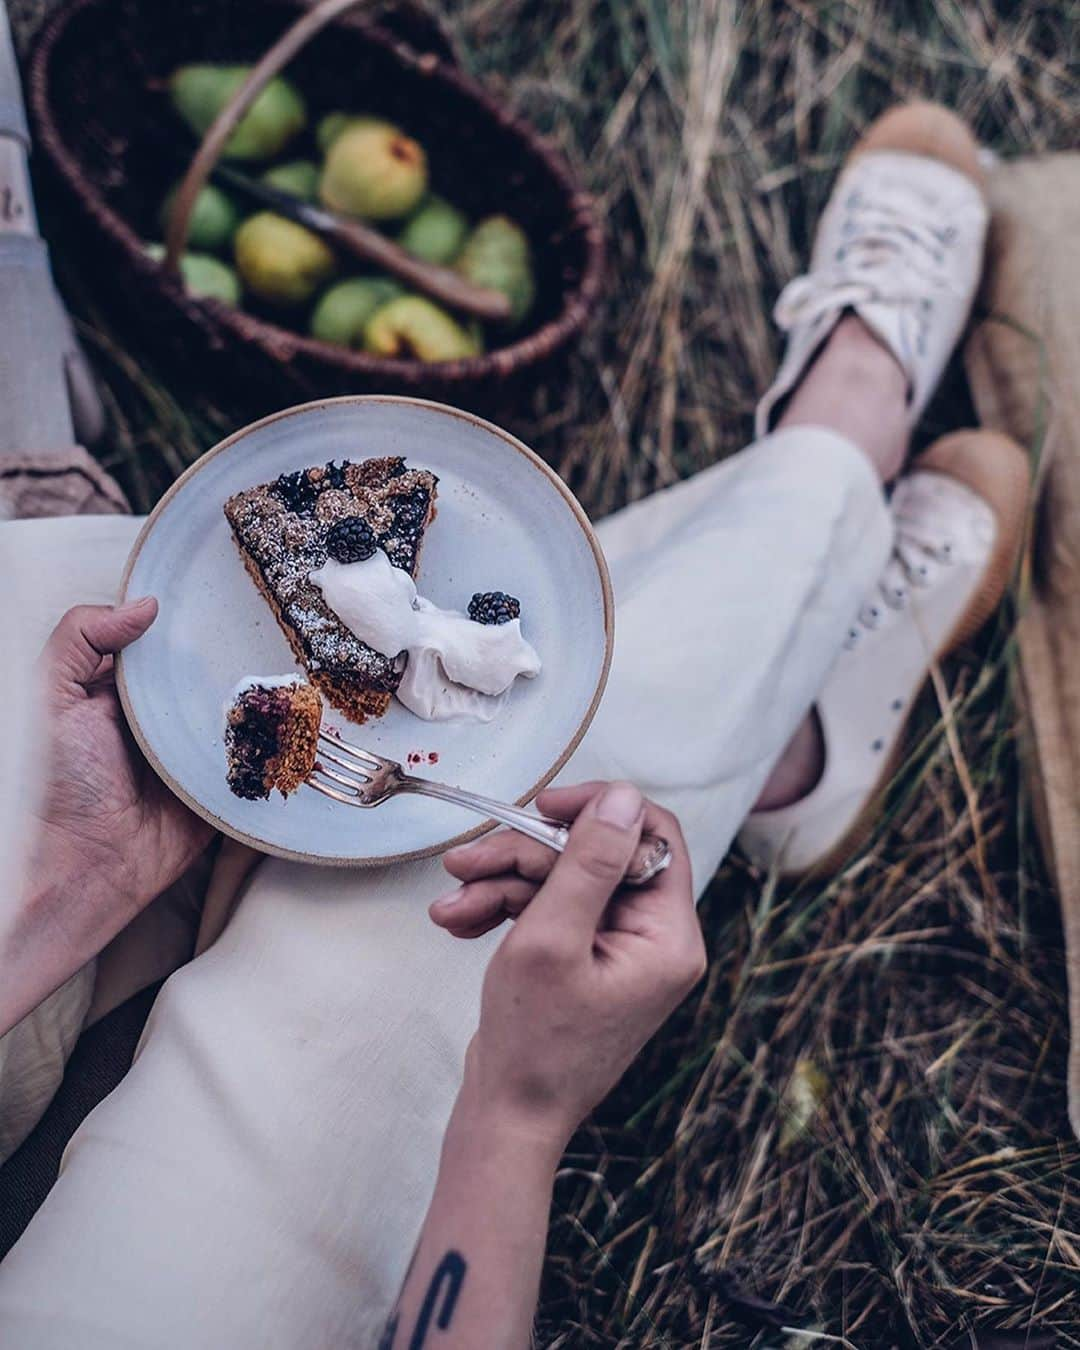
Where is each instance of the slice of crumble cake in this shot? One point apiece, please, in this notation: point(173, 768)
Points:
point(288, 528)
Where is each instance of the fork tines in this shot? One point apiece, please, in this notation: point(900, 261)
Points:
point(365, 760)
point(356, 762)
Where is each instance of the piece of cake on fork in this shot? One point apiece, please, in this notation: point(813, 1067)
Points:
point(287, 529)
point(271, 735)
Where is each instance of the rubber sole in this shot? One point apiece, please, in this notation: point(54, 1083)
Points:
point(928, 129)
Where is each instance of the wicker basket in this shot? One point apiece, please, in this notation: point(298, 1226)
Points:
point(103, 125)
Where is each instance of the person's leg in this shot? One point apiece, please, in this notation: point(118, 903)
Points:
point(39, 362)
point(261, 1174)
point(72, 560)
point(898, 248)
point(858, 389)
point(897, 284)
point(42, 472)
point(731, 591)
point(834, 393)
point(47, 398)
point(960, 516)
point(283, 1117)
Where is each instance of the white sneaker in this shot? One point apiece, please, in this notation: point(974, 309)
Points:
point(900, 244)
point(959, 517)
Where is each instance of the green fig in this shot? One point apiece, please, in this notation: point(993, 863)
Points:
point(343, 310)
point(299, 178)
point(212, 221)
point(205, 277)
point(412, 328)
point(200, 92)
point(281, 262)
point(497, 255)
point(374, 170)
point(333, 124)
point(435, 232)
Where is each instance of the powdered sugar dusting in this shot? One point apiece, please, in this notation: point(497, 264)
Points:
point(282, 527)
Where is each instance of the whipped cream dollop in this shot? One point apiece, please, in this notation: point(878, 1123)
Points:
point(453, 666)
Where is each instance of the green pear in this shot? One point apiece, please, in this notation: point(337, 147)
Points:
point(205, 277)
point(200, 92)
point(343, 310)
point(212, 221)
point(476, 335)
point(412, 328)
point(375, 171)
point(299, 178)
point(435, 232)
point(497, 255)
point(331, 126)
point(281, 262)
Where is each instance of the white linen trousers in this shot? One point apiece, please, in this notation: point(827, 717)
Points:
point(260, 1176)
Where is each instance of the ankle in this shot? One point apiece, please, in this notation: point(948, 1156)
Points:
point(856, 387)
point(857, 354)
point(798, 769)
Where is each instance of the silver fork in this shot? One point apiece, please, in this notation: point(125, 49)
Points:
point(369, 780)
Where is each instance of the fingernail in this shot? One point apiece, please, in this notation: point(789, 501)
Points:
point(445, 901)
point(620, 805)
point(137, 604)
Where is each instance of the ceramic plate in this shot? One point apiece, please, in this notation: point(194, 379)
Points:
point(505, 522)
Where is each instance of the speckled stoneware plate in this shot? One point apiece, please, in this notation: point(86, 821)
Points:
point(505, 522)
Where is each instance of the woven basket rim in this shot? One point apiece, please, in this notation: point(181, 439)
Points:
point(503, 361)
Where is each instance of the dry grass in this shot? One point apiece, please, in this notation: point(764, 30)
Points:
point(854, 1134)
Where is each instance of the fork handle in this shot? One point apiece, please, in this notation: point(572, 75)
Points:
point(651, 856)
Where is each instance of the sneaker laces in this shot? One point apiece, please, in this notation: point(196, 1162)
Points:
point(884, 248)
point(921, 548)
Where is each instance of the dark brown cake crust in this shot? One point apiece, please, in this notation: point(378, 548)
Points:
point(280, 529)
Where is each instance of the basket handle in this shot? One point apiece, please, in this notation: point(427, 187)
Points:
point(275, 59)
point(359, 238)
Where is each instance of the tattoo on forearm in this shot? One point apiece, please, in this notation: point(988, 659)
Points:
point(446, 1285)
point(386, 1340)
point(449, 1273)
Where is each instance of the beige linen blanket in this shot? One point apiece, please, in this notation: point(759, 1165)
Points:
point(1023, 361)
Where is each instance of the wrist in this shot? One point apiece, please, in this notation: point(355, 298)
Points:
point(59, 863)
point(71, 899)
point(479, 1124)
point(36, 951)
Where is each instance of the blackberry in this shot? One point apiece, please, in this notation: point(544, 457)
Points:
point(297, 492)
point(350, 540)
point(410, 511)
point(335, 473)
point(402, 540)
point(494, 607)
